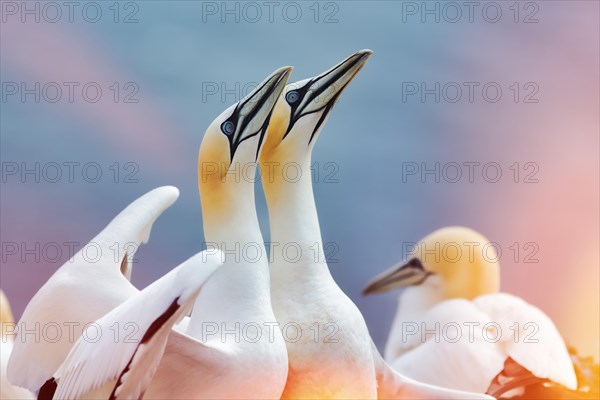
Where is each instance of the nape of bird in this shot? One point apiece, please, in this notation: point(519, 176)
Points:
point(230, 347)
point(7, 390)
point(334, 356)
point(114, 361)
point(89, 285)
point(479, 339)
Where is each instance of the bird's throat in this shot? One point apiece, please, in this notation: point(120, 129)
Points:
point(295, 231)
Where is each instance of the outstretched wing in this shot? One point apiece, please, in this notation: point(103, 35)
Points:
point(131, 227)
point(84, 289)
point(131, 359)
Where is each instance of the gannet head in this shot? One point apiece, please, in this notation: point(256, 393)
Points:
point(6, 316)
point(463, 259)
point(232, 142)
point(303, 109)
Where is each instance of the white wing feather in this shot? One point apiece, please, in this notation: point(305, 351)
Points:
point(190, 369)
point(530, 338)
point(447, 356)
point(393, 385)
point(470, 366)
point(513, 329)
point(8, 391)
point(134, 361)
point(132, 226)
point(82, 291)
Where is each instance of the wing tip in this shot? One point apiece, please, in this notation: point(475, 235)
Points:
point(47, 390)
point(170, 193)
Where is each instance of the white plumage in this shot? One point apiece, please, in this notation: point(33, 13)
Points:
point(330, 350)
point(132, 337)
point(230, 347)
point(85, 288)
point(144, 344)
point(453, 328)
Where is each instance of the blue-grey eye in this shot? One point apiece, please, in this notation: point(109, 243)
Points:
point(228, 128)
point(292, 96)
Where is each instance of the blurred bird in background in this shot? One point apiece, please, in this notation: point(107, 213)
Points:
point(455, 329)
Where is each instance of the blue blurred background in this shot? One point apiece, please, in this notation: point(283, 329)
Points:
point(183, 62)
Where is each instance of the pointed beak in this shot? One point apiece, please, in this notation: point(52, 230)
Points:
point(322, 91)
point(411, 273)
point(331, 83)
point(252, 114)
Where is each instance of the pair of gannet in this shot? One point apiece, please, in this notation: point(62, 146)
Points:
point(455, 329)
point(228, 362)
point(7, 390)
point(241, 293)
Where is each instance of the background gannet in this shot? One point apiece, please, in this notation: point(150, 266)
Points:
point(8, 391)
point(245, 355)
point(333, 356)
point(453, 277)
point(119, 364)
point(90, 284)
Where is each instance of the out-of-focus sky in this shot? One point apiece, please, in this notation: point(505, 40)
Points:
point(126, 89)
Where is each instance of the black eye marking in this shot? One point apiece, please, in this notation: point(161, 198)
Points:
point(416, 263)
point(292, 97)
point(228, 128)
point(236, 123)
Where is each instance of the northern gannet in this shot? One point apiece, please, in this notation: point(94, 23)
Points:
point(89, 285)
point(230, 347)
point(453, 281)
point(7, 390)
point(331, 354)
point(114, 361)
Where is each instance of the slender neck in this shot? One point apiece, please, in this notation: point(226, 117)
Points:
point(415, 300)
point(229, 213)
point(239, 291)
point(293, 215)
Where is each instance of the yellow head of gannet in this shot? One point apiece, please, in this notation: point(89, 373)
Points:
point(464, 259)
point(230, 149)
